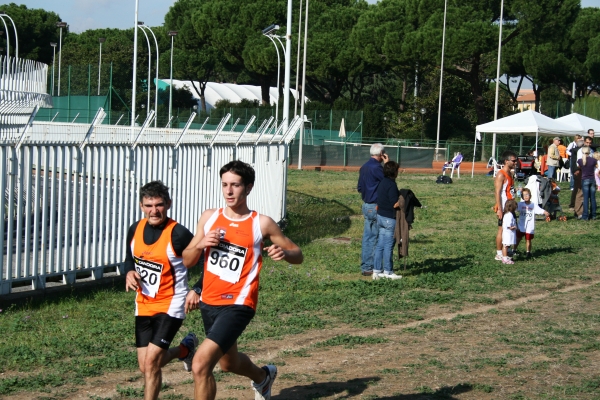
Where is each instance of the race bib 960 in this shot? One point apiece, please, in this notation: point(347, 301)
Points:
point(227, 260)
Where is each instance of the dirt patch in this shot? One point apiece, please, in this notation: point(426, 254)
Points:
point(546, 345)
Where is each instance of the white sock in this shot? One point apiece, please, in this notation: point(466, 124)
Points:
point(499, 252)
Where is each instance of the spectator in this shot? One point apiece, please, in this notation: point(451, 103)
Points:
point(588, 183)
point(572, 152)
point(591, 134)
point(458, 157)
point(387, 201)
point(371, 173)
point(553, 158)
point(587, 142)
point(562, 149)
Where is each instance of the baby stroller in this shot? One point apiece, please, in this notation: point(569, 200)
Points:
point(544, 192)
point(525, 167)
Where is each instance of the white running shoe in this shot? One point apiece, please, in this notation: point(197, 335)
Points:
point(262, 391)
point(391, 276)
point(377, 275)
point(191, 342)
point(498, 257)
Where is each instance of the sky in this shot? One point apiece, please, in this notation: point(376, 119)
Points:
point(82, 15)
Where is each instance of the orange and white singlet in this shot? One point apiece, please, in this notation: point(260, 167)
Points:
point(507, 188)
point(231, 269)
point(164, 277)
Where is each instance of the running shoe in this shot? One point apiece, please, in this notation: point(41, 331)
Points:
point(262, 391)
point(498, 257)
point(191, 342)
point(507, 260)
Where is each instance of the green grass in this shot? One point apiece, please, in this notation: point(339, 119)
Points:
point(75, 335)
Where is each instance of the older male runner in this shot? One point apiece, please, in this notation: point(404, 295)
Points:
point(503, 190)
point(232, 241)
point(155, 271)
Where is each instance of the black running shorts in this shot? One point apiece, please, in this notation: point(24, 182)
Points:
point(225, 324)
point(159, 329)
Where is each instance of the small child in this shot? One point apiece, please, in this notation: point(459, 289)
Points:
point(527, 211)
point(509, 229)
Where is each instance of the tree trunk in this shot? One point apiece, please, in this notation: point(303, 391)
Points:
point(264, 90)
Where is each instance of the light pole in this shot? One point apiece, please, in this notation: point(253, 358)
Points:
point(134, 84)
point(140, 24)
point(172, 34)
point(303, 87)
point(53, 44)
point(437, 137)
point(61, 25)
point(101, 40)
point(423, 112)
point(268, 32)
point(286, 76)
point(156, 82)
point(298, 58)
point(2, 15)
point(498, 77)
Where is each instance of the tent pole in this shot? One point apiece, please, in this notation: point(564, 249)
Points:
point(474, 151)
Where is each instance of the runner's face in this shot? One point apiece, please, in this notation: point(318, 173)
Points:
point(155, 209)
point(234, 190)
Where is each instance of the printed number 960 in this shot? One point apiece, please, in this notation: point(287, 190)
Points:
point(223, 261)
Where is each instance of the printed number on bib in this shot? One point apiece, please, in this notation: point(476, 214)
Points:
point(227, 260)
point(150, 273)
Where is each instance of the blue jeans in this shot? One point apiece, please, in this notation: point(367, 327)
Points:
point(369, 236)
point(551, 173)
point(384, 249)
point(589, 195)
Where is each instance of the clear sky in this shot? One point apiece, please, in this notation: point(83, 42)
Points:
point(93, 14)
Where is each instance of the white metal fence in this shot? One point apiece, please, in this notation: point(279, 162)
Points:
point(70, 190)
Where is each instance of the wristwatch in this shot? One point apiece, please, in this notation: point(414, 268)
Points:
point(197, 290)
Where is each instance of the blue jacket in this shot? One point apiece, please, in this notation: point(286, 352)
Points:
point(371, 173)
point(387, 196)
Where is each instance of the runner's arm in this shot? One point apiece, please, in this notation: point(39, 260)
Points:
point(498, 182)
point(193, 251)
point(282, 248)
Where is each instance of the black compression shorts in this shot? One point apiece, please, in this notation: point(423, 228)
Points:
point(225, 324)
point(159, 329)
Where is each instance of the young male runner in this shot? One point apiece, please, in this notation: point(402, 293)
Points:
point(232, 241)
point(156, 272)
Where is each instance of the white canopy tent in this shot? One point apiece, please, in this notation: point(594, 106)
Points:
point(580, 122)
point(527, 123)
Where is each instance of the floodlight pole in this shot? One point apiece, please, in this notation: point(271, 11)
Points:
point(278, 76)
point(287, 61)
point(101, 40)
point(135, 40)
point(3, 14)
point(303, 88)
point(172, 34)
point(53, 59)
point(437, 137)
point(498, 76)
point(61, 25)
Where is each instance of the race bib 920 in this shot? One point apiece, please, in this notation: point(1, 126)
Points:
point(150, 272)
point(227, 260)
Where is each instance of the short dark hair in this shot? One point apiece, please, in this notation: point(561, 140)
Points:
point(588, 138)
point(590, 130)
point(155, 189)
point(390, 169)
point(245, 171)
point(508, 154)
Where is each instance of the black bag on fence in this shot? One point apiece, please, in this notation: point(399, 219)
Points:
point(443, 179)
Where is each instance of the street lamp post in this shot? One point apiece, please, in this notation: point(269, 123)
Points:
point(172, 34)
point(143, 26)
point(140, 24)
point(437, 137)
point(2, 15)
point(303, 87)
point(61, 25)
point(498, 76)
point(101, 40)
point(268, 32)
point(133, 81)
point(53, 44)
point(423, 112)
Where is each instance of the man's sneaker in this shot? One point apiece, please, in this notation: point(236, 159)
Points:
point(262, 391)
point(377, 275)
point(498, 257)
point(191, 342)
point(391, 276)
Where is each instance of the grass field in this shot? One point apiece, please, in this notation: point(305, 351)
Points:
point(470, 326)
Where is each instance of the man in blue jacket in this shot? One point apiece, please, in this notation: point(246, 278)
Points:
point(371, 173)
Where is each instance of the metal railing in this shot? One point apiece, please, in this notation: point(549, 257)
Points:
point(70, 190)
